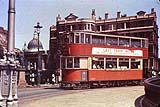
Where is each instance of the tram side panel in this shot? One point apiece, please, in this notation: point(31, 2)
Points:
point(99, 75)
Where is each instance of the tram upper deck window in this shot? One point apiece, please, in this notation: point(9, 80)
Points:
point(124, 42)
point(123, 63)
point(82, 37)
point(97, 39)
point(135, 43)
point(111, 63)
point(111, 41)
point(87, 38)
point(76, 38)
point(72, 38)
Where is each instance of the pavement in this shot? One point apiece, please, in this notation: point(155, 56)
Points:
point(102, 97)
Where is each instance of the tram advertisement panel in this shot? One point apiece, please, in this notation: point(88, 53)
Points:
point(118, 52)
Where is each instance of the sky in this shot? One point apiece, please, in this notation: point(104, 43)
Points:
point(29, 12)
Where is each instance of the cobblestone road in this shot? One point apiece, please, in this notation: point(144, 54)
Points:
point(104, 97)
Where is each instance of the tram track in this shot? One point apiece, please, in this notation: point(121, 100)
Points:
point(28, 96)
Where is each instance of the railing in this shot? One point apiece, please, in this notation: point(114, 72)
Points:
point(152, 92)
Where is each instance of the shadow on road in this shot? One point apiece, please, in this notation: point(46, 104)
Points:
point(138, 101)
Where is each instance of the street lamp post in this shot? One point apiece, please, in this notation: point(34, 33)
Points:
point(38, 27)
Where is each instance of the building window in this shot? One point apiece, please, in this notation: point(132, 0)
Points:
point(123, 63)
point(93, 28)
point(135, 64)
point(109, 27)
point(61, 28)
point(111, 41)
point(111, 63)
point(66, 39)
point(97, 63)
point(89, 27)
point(98, 27)
point(103, 27)
point(144, 43)
point(114, 26)
point(85, 26)
point(120, 25)
point(68, 28)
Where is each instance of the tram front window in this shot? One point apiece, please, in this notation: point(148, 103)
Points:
point(69, 62)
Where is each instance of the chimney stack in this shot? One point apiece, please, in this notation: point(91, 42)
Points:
point(58, 18)
point(93, 14)
point(152, 10)
point(118, 14)
point(106, 15)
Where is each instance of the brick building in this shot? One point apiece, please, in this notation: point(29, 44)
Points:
point(141, 25)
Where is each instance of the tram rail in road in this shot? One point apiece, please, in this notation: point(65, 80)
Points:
point(31, 94)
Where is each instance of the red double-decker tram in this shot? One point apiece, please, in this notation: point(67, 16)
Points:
point(100, 60)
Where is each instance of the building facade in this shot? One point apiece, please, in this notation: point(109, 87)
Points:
point(142, 25)
point(3, 41)
point(31, 62)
